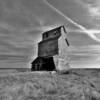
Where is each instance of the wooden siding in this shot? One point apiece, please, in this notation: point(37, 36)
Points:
point(48, 48)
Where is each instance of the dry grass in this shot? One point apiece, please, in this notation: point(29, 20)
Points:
point(46, 86)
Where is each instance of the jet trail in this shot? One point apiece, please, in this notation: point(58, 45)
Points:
point(83, 29)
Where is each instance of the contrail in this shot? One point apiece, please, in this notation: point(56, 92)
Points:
point(81, 31)
point(84, 30)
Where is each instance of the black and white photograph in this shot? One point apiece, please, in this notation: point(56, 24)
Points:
point(49, 49)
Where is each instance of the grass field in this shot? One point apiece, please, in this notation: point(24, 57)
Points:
point(77, 85)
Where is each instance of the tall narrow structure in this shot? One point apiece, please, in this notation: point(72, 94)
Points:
point(52, 51)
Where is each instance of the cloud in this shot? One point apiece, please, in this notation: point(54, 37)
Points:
point(86, 56)
point(22, 23)
point(93, 9)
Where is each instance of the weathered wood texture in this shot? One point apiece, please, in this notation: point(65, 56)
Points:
point(48, 48)
point(61, 59)
point(52, 33)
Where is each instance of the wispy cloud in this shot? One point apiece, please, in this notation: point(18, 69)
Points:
point(85, 55)
point(23, 21)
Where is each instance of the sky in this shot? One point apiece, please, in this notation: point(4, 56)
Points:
point(22, 23)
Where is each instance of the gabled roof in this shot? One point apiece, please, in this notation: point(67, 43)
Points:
point(52, 30)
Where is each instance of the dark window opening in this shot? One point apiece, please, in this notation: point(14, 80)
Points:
point(46, 35)
point(55, 33)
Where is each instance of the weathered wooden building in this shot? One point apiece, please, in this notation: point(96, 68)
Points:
point(52, 51)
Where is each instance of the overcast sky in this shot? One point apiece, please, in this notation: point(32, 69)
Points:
point(23, 21)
